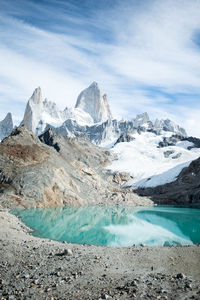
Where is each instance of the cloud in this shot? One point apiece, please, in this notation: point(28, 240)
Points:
point(144, 54)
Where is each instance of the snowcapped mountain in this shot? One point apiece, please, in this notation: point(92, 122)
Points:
point(168, 125)
point(153, 153)
point(92, 102)
point(154, 159)
point(38, 113)
point(6, 126)
point(90, 108)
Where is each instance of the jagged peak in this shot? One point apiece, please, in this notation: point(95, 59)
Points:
point(37, 96)
point(94, 84)
point(91, 101)
point(7, 117)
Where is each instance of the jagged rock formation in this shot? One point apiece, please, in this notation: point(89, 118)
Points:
point(109, 130)
point(55, 171)
point(168, 125)
point(141, 119)
point(38, 113)
point(92, 102)
point(6, 126)
point(125, 137)
point(184, 190)
point(172, 141)
point(91, 117)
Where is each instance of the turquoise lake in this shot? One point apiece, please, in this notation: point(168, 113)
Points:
point(115, 226)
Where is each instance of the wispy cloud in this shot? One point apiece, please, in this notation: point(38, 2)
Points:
point(145, 55)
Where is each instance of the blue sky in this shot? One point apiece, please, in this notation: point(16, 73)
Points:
point(144, 54)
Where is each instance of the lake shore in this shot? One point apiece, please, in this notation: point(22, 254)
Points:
point(34, 268)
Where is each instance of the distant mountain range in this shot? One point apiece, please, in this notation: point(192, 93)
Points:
point(91, 116)
point(152, 153)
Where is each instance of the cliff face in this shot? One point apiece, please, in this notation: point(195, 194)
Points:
point(185, 190)
point(55, 171)
point(39, 113)
point(92, 102)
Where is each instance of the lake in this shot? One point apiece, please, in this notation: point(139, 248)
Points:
point(115, 226)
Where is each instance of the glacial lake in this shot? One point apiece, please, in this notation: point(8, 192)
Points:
point(115, 226)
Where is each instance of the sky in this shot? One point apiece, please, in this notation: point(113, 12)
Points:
point(145, 55)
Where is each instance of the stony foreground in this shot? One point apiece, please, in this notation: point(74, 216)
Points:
point(33, 268)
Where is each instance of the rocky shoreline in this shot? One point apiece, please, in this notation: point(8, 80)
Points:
point(34, 268)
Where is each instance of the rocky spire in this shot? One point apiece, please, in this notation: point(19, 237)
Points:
point(39, 113)
point(91, 101)
point(37, 96)
point(32, 113)
point(6, 126)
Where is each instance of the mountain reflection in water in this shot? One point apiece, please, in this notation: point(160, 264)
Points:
point(115, 226)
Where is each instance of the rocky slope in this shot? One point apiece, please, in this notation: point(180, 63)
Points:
point(55, 171)
point(6, 126)
point(35, 268)
point(184, 190)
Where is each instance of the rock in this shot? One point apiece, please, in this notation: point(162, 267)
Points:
point(38, 110)
point(141, 119)
point(121, 177)
point(177, 156)
point(168, 125)
point(56, 171)
point(68, 252)
point(6, 126)
point(184, 190)
point(180, 276)
point(92, 102)
point(124, 137)
point(168, 153)
point(105, 296)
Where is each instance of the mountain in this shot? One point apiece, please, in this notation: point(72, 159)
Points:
point(153, 159)
point(38, 113)
point(6, 126)
point(91, 117)
point(168, 125)
point(185, 189)
point(92, 102)
point(145, 156)
point(108, 132)
point(54, 171)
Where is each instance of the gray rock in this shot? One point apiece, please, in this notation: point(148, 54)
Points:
point(6, 126)
point(36, 108)
point(124, 137)
point(184, 190)
point(177, 156)
point(168, 153)
point(56, 171)
point(92, 102)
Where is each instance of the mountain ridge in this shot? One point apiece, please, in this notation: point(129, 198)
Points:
point(90, 116)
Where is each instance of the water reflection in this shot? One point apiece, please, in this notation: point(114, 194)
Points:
point(115, 226)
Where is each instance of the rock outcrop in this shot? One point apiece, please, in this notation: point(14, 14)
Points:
point(54, 171)
point(39, 113)
point(185, 190)
point(168, 125)
point(92, 102)
point(91, 117)
point(6, 126)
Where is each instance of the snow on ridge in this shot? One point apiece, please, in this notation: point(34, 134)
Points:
point(148, 164)
point(159, 179)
